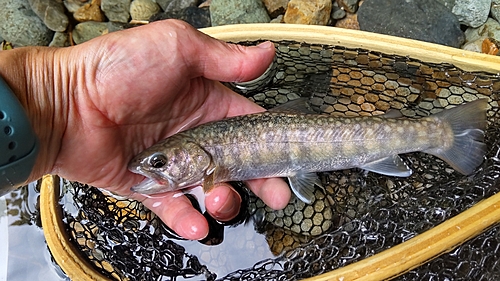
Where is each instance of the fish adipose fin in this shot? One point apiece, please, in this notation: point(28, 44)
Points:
point(468, 123)
point(303, 184)
point(390, 166)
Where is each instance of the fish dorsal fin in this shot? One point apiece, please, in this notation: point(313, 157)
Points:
point(303, 184)
point(299, 105)
point(390, 166)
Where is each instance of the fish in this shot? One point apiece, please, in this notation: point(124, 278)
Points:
point(297, 144)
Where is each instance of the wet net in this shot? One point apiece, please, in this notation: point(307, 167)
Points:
point(358, 214)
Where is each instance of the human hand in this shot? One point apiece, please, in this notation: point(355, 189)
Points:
point(96, 105)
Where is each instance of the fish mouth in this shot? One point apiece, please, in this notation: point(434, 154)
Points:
point(151, 186)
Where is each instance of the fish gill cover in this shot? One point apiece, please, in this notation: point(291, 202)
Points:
point(359, 214)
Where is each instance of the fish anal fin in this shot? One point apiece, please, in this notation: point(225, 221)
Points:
point(303, 184)
point(390, 166)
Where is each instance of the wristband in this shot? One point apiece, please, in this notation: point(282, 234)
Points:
point(18, 142)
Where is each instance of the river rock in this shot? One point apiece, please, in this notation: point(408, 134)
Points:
point(197, 17)
point(224, 12)
point(73, 5)
point(88, 30)
point(475, 36)
point(350, 6)
point(90, 12)
point(61, 39)
point(308, 12)
point(275, 7)
point(143, 9)
point(447, 3)
point(472, 13)
point(495, 9)
point(176, 5)
point(337, 12)
point(51, 12)
point(116, 10)
point(21, 26)
point(426, 20)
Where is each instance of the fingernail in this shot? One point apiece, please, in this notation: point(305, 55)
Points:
point(266, 45)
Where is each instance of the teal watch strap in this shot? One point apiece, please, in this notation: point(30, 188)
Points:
point(18, 142)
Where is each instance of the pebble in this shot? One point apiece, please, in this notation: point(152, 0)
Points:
point(90, 12)
point(315, 12)
point(495, 9)
point(51, 12)
point(278, 19)
point(472, 13)
point(143, 9)
point(337, 12)
point(416, 19)
point(350, 21)
point(61, 39)
point(476, 36)
point(224, 12)
point(197, 17)
point(176, 5)
point(350, 6)
point(116, 10)
point(275, 7)
point(23, 27)
point(73, 5)
point(88, 30)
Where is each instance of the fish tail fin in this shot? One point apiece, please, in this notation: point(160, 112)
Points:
point(468, 123)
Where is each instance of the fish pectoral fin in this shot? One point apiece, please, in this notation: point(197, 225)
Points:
point(303, 184)
point(299, 105)
point(390, 166)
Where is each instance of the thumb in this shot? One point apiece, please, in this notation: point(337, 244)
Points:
point(235, 63)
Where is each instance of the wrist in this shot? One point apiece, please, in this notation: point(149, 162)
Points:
point(32, 77)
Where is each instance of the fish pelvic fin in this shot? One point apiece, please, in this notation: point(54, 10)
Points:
point(390, 166)
point(468, 123)
point(303, 184)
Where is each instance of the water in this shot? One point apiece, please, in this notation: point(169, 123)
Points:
point(23, 252)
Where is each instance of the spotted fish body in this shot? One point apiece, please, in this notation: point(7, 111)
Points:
point(296, 145)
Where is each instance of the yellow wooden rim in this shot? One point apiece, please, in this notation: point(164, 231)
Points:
point(67, 256)
point(427, 52)
point(384, 265)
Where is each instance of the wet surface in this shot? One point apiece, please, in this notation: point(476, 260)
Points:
point(23, 252)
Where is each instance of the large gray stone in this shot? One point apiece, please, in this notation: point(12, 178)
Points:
point(472, 13)
point(116, 10)
point(21, 26)
point(52, 13)
point(224, 12)
point(425, 20)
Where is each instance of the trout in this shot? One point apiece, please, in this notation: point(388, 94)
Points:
point(297, 145)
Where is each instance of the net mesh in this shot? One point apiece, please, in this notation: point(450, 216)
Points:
point(357, 215)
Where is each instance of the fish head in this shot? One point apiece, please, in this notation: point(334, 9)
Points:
point(173, 164)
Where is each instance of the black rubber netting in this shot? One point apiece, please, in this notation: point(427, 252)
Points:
point(366, 213)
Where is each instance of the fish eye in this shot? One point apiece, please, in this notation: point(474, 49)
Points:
point(158, 161)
